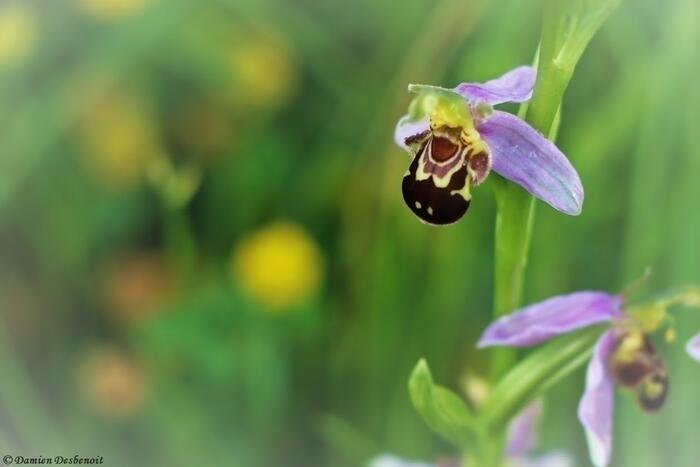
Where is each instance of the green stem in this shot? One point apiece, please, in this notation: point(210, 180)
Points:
point(516, 207)
point(567, 28)
point(492, 449)
point(564, 37)
point(181, 246)
point(513, 232)
point(514, 221)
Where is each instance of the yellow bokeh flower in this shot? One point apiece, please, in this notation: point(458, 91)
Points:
point(264, 72)
point(113, 9)
point(18, 33)
point(120, 139)
point(279, 266)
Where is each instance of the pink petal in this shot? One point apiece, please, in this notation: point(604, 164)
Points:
point(557, 315)
point(514, 86)
point(595, 411)
point(522, 430)
point(523, 155)
point(407, 127)
point(693, 347)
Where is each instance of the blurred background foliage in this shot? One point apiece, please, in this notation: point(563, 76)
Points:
point(204, 257)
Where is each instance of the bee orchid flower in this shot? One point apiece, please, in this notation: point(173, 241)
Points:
point(624, 354)
point(456, 138)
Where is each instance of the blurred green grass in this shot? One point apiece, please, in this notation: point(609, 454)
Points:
point(146, 144)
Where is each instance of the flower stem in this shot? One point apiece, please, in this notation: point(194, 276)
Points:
point(492, 450)
point(516, 208)
point(556, 61)
point(181, 245)
point(512, 241)
point(567, 28)
point(515, 217)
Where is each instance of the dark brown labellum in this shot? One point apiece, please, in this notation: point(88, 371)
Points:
point(443, 159)
point(634, 360)
point(653, 391)
point(630, 374)
point(442, 149)
point(636, 365)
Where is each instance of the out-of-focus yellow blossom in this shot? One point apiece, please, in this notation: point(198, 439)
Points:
point(113, 9)
point(279, 266)
point(112, 382)
point(18, 32)
point(120, 140)
point(264, 72)
point(136, 285)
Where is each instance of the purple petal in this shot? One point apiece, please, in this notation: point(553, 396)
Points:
point(595, 411)
point(693, 347)
point(514, 86)
point(407, 127)
point(552, 317)
point(523, 155)
point(522, 430)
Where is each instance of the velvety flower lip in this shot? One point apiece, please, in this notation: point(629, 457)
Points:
point(693, 347)
point(557, 315)
point(487, 140)
point(595, 411)
point(514, 86)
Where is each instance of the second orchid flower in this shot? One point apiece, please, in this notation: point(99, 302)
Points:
point(623, 355)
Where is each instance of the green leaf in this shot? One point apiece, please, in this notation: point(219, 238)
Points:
point(569, 25)
point(537, 373)
point(567, 28)
point(441, 409)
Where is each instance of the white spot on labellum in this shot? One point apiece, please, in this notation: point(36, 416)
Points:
point(430, 210)
point(418, 205)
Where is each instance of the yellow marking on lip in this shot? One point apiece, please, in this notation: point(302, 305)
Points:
point(472, 139)
point(464, 192)
point(440, 182)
